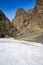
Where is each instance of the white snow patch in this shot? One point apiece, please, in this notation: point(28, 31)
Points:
point(15, 52)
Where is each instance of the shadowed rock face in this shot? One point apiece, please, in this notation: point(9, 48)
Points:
point(4, 25)
point(39, 2)
point(39, 5)
point(7, 29)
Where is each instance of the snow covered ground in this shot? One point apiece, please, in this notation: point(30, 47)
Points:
point(14, 52)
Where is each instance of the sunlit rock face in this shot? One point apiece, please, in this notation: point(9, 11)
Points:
point(20, 12)
point(30, 23)
point(31, 18)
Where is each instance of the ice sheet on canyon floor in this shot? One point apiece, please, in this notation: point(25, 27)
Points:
point(14, 52)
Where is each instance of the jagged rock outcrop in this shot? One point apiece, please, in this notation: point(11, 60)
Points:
point(32, 17)
point(29, 23)
point(7, 29)
point(38, 18)
point(22, 19)
point(20, 12)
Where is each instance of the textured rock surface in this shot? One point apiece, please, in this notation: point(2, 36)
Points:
point(26, 25)
point(30, 23)
point(6, 27)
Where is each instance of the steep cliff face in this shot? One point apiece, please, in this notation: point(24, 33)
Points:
point(29, 19)
point(18, 20)
point(39, 13)
point(29, 23)
point(22, 19)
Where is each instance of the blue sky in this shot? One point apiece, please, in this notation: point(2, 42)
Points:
point(9, 7)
